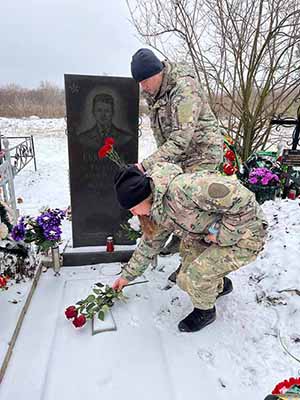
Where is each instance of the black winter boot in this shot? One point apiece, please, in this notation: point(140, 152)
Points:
point(227, 287)
point(197, 320)
point(172, 247)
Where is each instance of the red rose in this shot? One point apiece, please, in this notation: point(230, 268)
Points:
point(230, 155)
point(71, 312)
point(3, 281)
point(79, 321)
point(228, 169)
point(109, 141)
point(104, 150)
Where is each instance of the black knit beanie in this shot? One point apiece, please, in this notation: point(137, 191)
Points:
point(132, 186)
point(145, 64)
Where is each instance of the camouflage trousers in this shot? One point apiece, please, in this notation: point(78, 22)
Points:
point(205, 265)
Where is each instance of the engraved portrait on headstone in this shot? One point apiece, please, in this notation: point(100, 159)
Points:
point(98, 108)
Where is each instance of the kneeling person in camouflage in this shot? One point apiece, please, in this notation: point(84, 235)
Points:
point(219, 221)
point(185, 129)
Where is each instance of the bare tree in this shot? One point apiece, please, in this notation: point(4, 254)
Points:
point(245, 51)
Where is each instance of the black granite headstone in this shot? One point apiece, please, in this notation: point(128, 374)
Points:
point(99, 107)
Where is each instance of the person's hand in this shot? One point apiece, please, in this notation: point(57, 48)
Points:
point(140, 167)
point(119, 283)
point(210, 238)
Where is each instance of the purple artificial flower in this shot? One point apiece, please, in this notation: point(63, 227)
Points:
point(262, 176)
point(44, 219)
point(18, 231)
point(253, 180)
point(50, 218)
point(53, 233)
point(60, 213)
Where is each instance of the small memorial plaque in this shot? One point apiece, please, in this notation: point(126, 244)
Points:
point(291, 157)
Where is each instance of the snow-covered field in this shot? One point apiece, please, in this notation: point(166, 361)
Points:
point(241, 355)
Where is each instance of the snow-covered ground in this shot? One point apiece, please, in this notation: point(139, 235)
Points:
point(241, 355)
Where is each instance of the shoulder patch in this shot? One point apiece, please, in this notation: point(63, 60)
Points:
point(218, 191)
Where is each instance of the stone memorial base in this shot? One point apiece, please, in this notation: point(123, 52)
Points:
point(96, 255)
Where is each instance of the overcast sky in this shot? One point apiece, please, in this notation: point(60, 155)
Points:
point(43, 39)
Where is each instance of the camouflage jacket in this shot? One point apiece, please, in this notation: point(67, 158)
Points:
point(185, 129)
point(188, 204)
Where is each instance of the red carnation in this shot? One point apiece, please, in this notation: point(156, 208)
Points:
point(79, 321)
point(109, 141)
point(104, 150)
point(71, 312)
point(228, 169)
point(3, 281)
point(230, 155)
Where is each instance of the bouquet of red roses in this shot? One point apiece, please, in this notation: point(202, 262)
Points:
point(98, 303)
point(107, 150)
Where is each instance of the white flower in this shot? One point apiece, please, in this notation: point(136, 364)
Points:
point(135, 223)
point(3, 231)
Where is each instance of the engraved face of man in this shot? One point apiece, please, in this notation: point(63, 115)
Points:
point(103, 109)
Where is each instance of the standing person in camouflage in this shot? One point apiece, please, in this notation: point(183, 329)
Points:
point(184, 126)
point(200, 207)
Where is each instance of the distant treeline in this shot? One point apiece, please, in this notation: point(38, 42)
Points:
point(46, 101)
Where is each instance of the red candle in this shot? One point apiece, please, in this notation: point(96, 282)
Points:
point(292, 194)
point(109, 244)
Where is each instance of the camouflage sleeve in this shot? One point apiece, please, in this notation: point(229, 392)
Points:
point(144, 253)
point(195, 138)
point(185, 105)
point(159, 140)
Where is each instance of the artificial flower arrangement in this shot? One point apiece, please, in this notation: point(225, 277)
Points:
point(264, 183)
point(231, 162)
point(289, 388)
point(263, 176)
point(16, 263)
point(44, 231)
point(3, 282)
